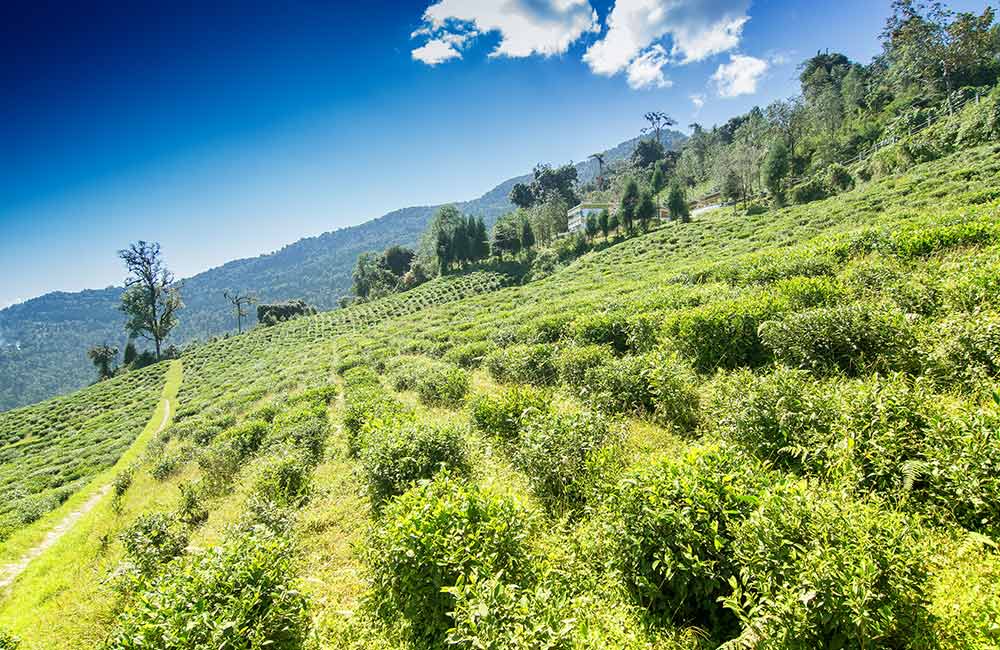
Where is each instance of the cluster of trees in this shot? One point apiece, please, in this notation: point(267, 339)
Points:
point(273, 313)
point(549, 183)
point(380, 274)
point(929, 55)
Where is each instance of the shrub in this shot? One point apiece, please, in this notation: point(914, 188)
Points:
point(442, 384)
point(565, 455)
point(123, 481)
point(621, 386)
point(305, 427)
point(491, 614)
point(549, 329)
point(964, 594)
point(852, 339)
point(673, 389)
point(818, 570)
point(247, 437)
point(807, 191)
point(724, 334)
point(838, 179)
point(574, 361)
point(435, 535)
point(523, 364)
point(808, 292)
point(8, 641)
point(370, 408)
point(360, 375)
point(239, 595)
point(169, 463)
point(889, 424)
point(284, 477)
point(399, 456)
point(966, 350)
point(670, 528)
point(503, 413)
point(190, 509)
point(152, 540)
point(785, 416)
point(318, 395)
point(405, 371)
point(219, 463)
point(468, 355)
point(623, 331)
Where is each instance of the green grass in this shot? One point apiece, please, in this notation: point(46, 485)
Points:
point(921, 247)
point(50, 450)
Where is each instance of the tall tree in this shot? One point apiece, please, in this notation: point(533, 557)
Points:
point(592, 225)
point(604, 223)
point(645, 211)
point(460, 242)
point(677, 204)
point(658, 122)
point(445, 251)
point(240, 303)
point(629, 205)
point(646, 153)
point(397, 259)
point(481, 242)
point(613, 223)
point(150, 300)
point(103, 358)
point(658, 181)
point(522, 196)
point(527, 235)
point(776, 168)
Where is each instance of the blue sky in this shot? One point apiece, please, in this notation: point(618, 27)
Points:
point(230, 131)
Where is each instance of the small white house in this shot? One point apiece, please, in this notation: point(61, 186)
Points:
point(578, 215)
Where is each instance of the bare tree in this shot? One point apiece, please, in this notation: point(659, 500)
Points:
point(599, 157)
point(658, 121)
point(150, 299)
point(239, 306)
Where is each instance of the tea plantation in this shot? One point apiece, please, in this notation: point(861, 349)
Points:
point(769, 431)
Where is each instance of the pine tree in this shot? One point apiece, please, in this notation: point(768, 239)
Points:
point(677, 204)
point(646, 211)
point(603, 223)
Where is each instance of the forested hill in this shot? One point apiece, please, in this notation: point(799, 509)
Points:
point(43, 341)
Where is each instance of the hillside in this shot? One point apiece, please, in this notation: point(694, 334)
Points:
point(43, 341)
point(776, 426)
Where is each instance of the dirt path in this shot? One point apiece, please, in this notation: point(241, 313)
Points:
point(9, 572)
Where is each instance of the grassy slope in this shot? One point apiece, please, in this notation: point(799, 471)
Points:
point(60, 596)
point(645, 274)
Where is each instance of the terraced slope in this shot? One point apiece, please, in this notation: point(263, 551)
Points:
point(770, 431)
point(49, 450)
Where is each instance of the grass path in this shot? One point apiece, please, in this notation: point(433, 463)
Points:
point(10, 572)
point(62, 550)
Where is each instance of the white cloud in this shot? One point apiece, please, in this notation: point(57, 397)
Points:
point(739, 76)
point(526, 27)
point(697, 29)
point(435, 51)
point(646, 70)
point(698, 99)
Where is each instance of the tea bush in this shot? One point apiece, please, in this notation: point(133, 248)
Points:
point(246, 437)
point(724, 334)
point(621, 386)
point(504, 413)
point(285, 477)
point(671, 527)
point(523, 364)
point(191, 509)
point(495, 615)
point(236, 596)
point(573, 362)
point(852, 339)
point(566, 456)
point(468, 355)
point(622, 331)
point(821, 570)
point(398, 456)
point(435, 535)
point(808, 292)
point(152, 540)
point(305, 428)
point(369, 407)
point(8, 641)
point(442, 384)
point(965, 350)
point(673, 389)
point(785, 416)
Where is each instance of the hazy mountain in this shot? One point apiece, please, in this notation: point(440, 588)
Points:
point(43, 341)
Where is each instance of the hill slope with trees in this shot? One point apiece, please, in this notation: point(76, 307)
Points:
point(44, 341)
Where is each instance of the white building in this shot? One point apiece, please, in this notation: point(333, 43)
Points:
point(577, 215)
